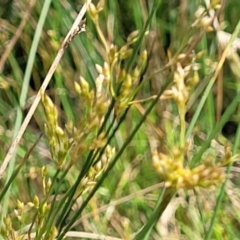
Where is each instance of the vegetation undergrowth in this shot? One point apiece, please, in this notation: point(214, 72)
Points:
point(132, 137)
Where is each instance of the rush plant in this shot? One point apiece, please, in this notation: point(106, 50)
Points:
point(127, 140)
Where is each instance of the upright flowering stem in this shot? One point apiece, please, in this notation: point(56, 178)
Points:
point(182, 111)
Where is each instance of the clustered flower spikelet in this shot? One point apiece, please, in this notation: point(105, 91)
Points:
point(90, 179)
point(57, 137)
point(171, 169)
point(179, 91)
point(128, 80)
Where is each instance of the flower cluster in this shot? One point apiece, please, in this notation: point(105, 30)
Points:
point(172, 166)
point(176, 175)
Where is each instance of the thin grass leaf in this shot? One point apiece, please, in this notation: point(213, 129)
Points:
point(24, 91)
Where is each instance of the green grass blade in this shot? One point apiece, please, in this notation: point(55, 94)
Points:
point(24, 92)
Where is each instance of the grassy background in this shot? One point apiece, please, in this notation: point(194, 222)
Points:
point(190, 212)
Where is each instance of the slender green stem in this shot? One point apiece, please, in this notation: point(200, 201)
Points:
point(218, 205)
point(43, 229)
point(101, 36)
point(237, 140)
point(139, 41)
point(163, 200)
point(70, 194)
point(182, 125)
